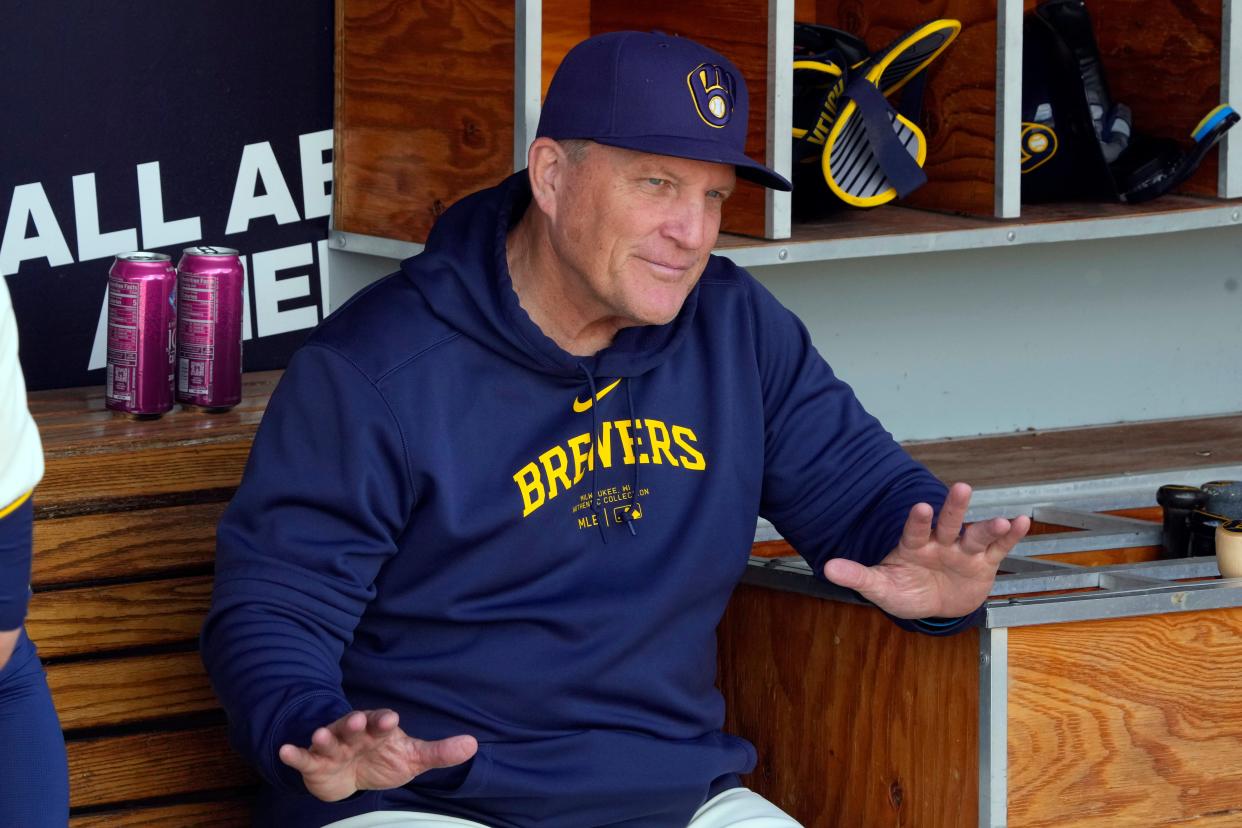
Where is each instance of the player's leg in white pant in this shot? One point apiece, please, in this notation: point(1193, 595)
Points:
point(741, 808)
point(403, 819)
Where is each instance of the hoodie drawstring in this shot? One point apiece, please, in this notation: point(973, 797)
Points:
point(629, 520)
point(596, 438)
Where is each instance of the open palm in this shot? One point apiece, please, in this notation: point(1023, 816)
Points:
point(935, 572)
point(365, 750)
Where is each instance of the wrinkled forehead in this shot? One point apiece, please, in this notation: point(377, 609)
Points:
point(627, 161)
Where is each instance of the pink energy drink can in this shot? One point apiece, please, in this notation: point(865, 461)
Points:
point(209, 328)
point(142, 331)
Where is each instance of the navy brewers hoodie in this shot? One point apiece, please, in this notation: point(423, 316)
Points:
point(447, 515)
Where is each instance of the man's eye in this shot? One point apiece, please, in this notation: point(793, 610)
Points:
point(716, 194)
point(656, 182)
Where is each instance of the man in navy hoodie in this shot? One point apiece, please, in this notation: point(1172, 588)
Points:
point(499, 501)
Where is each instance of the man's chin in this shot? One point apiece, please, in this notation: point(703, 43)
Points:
point(660, 303)
point(659, 315)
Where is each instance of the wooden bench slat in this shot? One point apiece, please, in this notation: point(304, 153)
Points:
point(126, 690)
point(120, 616)
point(128, 544)
point(222, 814)
point(146, 765)
point(90, 482)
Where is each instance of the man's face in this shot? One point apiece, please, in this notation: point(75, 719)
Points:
point(637, 229)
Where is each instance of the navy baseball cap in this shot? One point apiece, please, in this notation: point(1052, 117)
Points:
point(655, 93)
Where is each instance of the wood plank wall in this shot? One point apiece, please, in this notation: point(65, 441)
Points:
point(565, 23)
point(424, 110)
point(856, 721)
point(1130, 721)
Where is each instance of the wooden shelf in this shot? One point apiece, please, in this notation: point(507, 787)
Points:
point(893, 230)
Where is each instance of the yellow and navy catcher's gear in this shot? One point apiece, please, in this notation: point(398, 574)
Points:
point(1077, 141)
point(848, 139)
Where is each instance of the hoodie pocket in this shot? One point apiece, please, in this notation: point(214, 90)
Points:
point(597, 778)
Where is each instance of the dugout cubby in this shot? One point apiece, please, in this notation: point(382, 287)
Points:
point(437, 100)
point(424, 110)
point(1163, 59)
point(960, 99)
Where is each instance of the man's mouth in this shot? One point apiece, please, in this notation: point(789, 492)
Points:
point(667, 268)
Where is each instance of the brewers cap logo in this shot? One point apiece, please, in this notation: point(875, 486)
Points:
point(711, 88)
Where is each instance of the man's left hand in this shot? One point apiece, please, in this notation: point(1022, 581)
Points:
point(945, 572)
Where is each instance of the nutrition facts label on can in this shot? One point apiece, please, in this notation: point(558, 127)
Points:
point(124, 311)
point(198, 299)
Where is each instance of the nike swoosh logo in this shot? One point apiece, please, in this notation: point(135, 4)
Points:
point(580, 406)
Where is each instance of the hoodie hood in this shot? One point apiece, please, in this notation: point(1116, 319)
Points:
point(464, 275)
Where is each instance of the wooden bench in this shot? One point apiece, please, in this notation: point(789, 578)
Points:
point(124, 544)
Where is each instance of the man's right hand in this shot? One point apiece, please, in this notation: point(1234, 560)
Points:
point(366, 750)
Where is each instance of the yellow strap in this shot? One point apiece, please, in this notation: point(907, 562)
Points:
point(827, 67)
point(15, 505)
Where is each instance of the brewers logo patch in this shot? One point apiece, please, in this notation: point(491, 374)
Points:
point(1039, 144)
point(711, 88)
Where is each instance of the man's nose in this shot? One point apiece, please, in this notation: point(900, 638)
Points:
point(686, 223)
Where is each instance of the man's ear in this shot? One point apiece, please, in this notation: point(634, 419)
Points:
point(547, 164)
